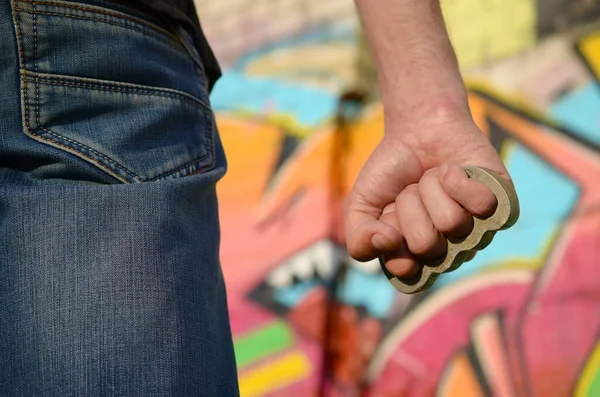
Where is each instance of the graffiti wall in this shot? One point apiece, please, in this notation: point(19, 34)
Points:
point(298, 114)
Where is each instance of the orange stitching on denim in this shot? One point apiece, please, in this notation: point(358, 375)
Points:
point(17, 23)
point(181, 43)
point(25, 97)
point(52, 142)
point(104, 12)
point(35, 42)
point(35, 69)
point(76, 152)
point(85, 82)
point(114, 23)
point(195, 103)
point(33, 134)
point(211, 152)
point(174, 96)
point(196, 160)
point(200, 169)
point(90, 149)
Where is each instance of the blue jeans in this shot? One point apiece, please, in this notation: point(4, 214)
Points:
point(110, 281)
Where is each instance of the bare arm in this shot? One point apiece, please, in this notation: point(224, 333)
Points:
point(416, 64)
point(412, 192)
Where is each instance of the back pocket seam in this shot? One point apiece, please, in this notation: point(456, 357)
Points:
point(124, 26)
point(26, 114)
point(115, 86)
point(125, 89)
point(118, 19)
point(31, 98)
point(32, 132)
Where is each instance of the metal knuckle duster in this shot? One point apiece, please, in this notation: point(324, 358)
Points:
point(506, 215)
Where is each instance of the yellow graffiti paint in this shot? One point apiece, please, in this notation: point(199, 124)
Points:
point(327, 65)
point(533, 264)
point(589, 383)
point(486, 30)
point(518, 263)
point(589, 47)
point(275, 374)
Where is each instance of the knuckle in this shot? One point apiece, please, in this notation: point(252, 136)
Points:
point(450, 222)
point(412, 189)
point(408, 192)
point(401, 268)
point(421, 243)
point(406, 197)
point(428, 179)
point(391, 218)
point(452, 184)
point(484, 205)
point(430, 174)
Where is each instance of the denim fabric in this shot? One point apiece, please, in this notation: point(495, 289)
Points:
point(110, 282)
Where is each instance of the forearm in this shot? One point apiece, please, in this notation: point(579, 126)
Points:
point(416, 64)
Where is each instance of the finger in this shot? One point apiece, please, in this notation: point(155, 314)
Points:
point(367, 237)
point(388, 170)
point(447, 215)
point(416, 226)
point(474, 196)
point(401, 263)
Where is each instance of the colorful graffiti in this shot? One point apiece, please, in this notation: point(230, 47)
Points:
point(522, 319)
point(527, 326)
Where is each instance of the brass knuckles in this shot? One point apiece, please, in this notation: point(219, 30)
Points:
point(506, 215)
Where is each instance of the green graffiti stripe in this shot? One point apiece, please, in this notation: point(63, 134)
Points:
point(588, 384)
point(262, 343)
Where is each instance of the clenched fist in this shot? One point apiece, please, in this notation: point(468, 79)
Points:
point(412, 192)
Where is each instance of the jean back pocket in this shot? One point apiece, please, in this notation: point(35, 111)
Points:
point(114, 90)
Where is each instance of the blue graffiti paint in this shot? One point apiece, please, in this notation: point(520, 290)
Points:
point(373, 291)
point(580, 111)
point(546, 198)
point(308, 106)
point(292, 295)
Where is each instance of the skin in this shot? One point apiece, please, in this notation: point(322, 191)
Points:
point(412, 190)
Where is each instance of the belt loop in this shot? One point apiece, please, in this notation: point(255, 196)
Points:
point(190, 46)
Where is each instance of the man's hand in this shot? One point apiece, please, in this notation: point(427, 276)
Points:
point(412, 191)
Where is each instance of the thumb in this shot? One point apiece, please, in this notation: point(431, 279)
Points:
point(484, 155)
point(389, 169)
point(367, 237)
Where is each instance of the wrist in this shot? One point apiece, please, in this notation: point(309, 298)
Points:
point(438, 109)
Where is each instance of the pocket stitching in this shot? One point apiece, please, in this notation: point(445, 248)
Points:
point(37, 116)
point(26, 101)
point(211, 155)
point(208, 141)
point(32, 132)
point(113, 23)
point(115, 87)
point(98, 10)
point(175, 95)
point(75, 143)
